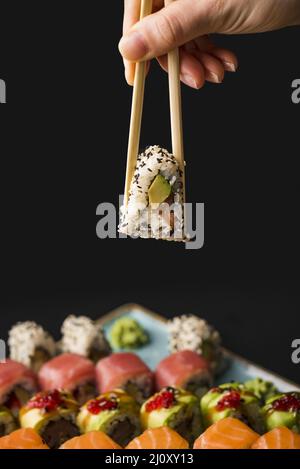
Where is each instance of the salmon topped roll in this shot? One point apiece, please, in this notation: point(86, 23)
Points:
point(185, 369)
point(114, 413)
point(126, 371)
point(91, 440)
point(278, 438)
point(228, 433)
point(7, 421)
point(52, 414)
point(17, 384)
point(24, 438)
point(159, 438)
point(175, 408)
point(232, 400)
point(71, 372)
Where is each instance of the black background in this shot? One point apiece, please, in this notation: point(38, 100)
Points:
point(63, 147)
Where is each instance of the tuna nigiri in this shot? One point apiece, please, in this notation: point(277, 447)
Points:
point(278, 438)
point(24, 438)
point(91, 440)
point(158, 438)
point(71, 372)
point(228, 433)
point(17, 384)
point(126, 371)
point(185, 369)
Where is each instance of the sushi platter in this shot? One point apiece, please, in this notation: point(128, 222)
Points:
point(135, 380)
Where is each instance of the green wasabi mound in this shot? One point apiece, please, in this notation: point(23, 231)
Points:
point(262, 389)
point(127, 333)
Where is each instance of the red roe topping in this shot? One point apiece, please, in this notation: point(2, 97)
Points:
point(164, 400)
point(99, 405)
point(289, 402)
point(231, 400)
point(48, 400)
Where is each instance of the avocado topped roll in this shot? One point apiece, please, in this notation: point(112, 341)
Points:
point(232, 400)
point(283, 410)
point(114, 413)
point(263, 390)
point(52, 414)
point(7, 421)
point(174, 408)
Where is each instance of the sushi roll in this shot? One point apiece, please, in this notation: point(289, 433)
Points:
point(24, 438)
point(158, 438)
point(228, 433)
point(52, 414)
point(232, 400)
point(283, 410)
point(126, 371)
point(71, 372)
point(189, 332)
point(30, 344)
point(184, 369)
point(174, 408)
point(85, 337)
point(155, 204)
point(7, 421)
point(263, 390)
point(17, 384)
point(114, 413)
point(91, 440)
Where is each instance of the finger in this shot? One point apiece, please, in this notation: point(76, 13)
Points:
point(228, 58)
point(214, 69)
point(178, 23)
point(131, 16)
point(192, 72)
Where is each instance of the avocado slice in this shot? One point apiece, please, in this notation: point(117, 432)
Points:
point(159, 190)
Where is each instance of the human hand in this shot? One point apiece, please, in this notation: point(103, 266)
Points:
point(187, 24)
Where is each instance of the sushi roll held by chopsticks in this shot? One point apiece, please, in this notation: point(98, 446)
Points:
point(154, 195)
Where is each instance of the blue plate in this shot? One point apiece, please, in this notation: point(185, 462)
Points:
point(236, 369)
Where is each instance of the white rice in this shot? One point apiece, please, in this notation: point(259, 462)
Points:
point(139, 219)
point(189, 332)
point(25, 338)
point(80, 334)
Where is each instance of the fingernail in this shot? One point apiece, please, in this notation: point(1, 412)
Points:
point(189, 80)
point(133, 46)
point(211, 76)
point(229, 67)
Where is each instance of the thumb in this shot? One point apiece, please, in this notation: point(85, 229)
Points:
point(174, 25)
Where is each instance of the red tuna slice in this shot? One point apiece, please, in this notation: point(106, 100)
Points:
point(66, 371)
point(13, 373)
point(179, 367)
point(116, 370)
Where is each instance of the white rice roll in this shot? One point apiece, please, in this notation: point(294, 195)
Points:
point(30, 344)
point(145, 220)
point(85, 337)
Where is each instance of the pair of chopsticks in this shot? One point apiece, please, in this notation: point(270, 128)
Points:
point(137, 109)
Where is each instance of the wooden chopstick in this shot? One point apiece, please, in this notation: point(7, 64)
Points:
point(136, 111)
point(176, 108)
